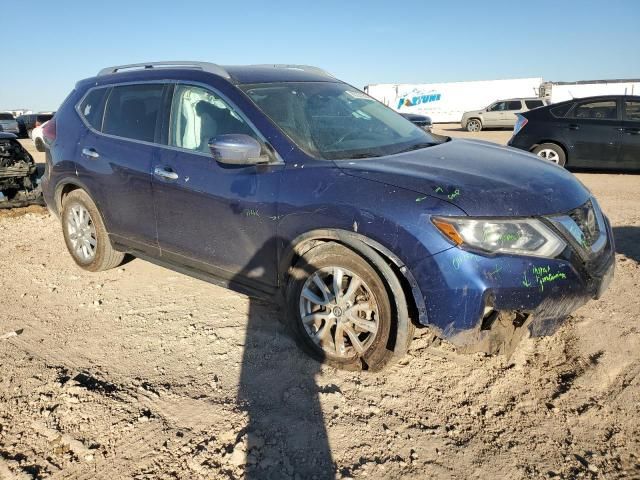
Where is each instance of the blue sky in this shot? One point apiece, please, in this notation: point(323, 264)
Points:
point(57, 43)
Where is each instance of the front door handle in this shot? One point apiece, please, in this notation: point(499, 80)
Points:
point(90, 152)
point(165, 172)
point(573, 126)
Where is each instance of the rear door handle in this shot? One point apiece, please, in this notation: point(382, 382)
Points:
point(573, 126)
point(166, 173)
point(90, 152)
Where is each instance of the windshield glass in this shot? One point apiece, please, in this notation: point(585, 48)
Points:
point(335, 121)
point(6, 116)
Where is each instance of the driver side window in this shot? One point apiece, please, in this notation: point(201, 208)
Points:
point(498, 107)
point(198, 115)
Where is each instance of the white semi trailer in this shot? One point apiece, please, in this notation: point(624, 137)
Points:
point(556, 92)
point(446, 102)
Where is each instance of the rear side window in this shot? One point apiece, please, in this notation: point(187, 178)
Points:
point(601, 110)
point(632, 110)
point(561, 110)
point(531, 104)
point(514, 105)
point(132, 111)
point(92, 107)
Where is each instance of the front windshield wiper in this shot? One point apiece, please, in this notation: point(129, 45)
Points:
point(364, 155)
point(418, 146)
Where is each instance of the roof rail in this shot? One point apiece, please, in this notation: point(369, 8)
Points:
point(304, 68)
point(204, 66)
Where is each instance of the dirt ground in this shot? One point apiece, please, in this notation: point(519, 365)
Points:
point(144, 373)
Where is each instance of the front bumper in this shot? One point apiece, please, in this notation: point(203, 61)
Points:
point(461, 288)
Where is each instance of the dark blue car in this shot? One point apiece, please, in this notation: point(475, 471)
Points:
point(283, 182)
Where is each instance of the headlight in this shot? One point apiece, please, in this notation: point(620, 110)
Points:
point(516, 236)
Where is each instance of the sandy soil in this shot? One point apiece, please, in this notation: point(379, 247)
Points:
point(141, 372)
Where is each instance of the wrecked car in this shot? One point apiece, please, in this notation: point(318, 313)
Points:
point(19, 175)
point(283, 182)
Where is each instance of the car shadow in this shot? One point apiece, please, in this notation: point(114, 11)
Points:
point(285, 433)
point(627, 240)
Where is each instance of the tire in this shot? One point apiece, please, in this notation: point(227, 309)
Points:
point(90, 248)
point(365, 340)
point(474, 125)
point(551, 152)
point(39, 145)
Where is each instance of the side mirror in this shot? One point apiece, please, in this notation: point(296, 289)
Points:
point(237, 149)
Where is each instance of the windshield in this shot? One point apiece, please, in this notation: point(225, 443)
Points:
point(6, 116)
point(335, 121)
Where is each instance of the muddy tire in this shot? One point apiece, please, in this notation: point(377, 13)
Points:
point(85, 234)
point(339, 309)
point(39, 145)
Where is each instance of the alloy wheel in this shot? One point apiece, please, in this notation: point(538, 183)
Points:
point(549, 154)
point(339, 313)
point(473, 126)
point(82, 233)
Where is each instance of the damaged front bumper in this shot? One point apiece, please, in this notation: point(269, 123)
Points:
point(19, 175)
point(464, 290)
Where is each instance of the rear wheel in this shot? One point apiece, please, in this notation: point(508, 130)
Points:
point(39, 145)
point(339, 308)
point(551, 152)
point(474, 125)
point(85, 235)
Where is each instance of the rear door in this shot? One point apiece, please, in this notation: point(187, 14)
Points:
point(592, 129)
point(630, 148)
point(115, 158)
point(509, 117)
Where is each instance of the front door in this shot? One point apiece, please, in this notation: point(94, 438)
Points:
point(630, 149)
point(593, 134)
point(212, 216)
point(494, 115)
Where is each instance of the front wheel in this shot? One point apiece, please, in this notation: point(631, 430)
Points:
point(474, 125)
point(339, 308)
point(552, 153)
point(85, 234)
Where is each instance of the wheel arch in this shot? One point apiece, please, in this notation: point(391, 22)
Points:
point(360, 244)
point(65, 187)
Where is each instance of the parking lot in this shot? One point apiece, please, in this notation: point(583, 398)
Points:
point(141, 372)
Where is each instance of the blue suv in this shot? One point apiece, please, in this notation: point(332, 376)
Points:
point(283, 182)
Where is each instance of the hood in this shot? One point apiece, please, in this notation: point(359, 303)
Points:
point(481, 178)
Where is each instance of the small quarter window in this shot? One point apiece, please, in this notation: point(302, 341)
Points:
point(561, 110)
point(92, 107)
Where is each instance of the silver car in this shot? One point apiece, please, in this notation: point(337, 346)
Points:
point(500, 114)
point(8, 124)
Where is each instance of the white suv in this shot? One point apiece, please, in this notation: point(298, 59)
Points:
point(501, 114)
